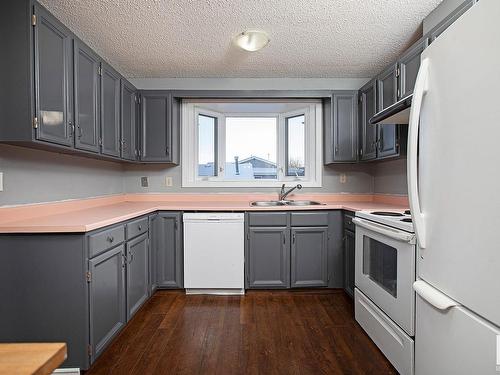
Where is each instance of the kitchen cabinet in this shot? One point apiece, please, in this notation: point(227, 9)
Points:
point(309, 257)
point(341, 128)
point(53, 79)
point(166, 251)
point(268, 257)
point(86, 85)
point(409, 63)
point(448, 21)
point(106, 298)
point(128, 105)
point(137, 273)
point(387, 94)
point(110, 110)
point(368, 132)
point(159, 127)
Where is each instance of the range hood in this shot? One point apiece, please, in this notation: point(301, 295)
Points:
point(398, 113)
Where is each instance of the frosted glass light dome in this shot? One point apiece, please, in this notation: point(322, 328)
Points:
point(252, 40)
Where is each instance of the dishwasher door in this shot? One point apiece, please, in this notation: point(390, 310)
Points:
point(214, 253)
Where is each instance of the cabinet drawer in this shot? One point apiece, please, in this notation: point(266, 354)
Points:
point(137, 227)
point(309, 219)
point(348, 224)
point(106, 239)
point(266, 219)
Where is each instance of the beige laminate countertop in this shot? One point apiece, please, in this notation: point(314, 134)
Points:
point(89, 214)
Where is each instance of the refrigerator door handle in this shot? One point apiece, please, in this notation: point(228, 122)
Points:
point(412, 161)
point(433, 296)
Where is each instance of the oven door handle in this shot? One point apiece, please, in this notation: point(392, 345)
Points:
point(386, 231)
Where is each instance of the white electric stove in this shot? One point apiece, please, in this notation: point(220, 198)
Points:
point(395, 219)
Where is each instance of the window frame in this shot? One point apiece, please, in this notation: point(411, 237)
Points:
point(313, 119)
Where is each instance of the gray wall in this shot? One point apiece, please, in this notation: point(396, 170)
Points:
point(31, 176)
point(389, 177)
point(359, 180)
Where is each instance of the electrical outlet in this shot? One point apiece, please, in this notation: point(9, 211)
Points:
point(168, 181)
point(343, 178)
point(144, 182)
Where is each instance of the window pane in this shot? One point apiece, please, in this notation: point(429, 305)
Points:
point(251, 144)
point(295, 163)
point(206, 146)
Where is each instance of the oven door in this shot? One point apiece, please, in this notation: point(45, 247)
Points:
point(385, 270)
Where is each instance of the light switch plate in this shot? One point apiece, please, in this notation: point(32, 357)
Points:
point(144, 182)
point(168, 181)
point(1, 181)
point(343, 178)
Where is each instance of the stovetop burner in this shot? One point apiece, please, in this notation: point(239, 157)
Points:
point(407, 212)
point(384, 213)
point(407, 220)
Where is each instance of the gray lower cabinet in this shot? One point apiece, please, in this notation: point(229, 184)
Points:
point(368, 133)
point(137, 273)
point(341, 128)
point(166, 251)
point(309, 257)
point(106, 298)
point(110, 111)
point(268, 257)
point(86, 82)
point(349, 257)
point(53, 79)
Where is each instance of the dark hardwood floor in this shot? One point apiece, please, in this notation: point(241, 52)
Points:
point(264, 332)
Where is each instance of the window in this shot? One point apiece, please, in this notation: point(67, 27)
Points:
point(251, 143)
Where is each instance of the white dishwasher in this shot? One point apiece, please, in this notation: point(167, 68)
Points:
point(214, 253)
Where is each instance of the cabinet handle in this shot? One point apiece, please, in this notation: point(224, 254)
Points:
point(80, 131)
point(71, 129)
point(110, 238)
point(131, 257)
point(139, 227)
point(293, 238)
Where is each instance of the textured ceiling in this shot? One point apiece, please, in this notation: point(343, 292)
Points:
point(193, 38)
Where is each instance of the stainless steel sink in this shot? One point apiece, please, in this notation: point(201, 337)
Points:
point(303, 203)
point(284, 203)
point(267, 203)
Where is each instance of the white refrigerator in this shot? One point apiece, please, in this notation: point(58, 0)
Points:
point(454, 192)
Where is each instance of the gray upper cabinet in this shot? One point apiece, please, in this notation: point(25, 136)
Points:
point(53, 79)
point(137, 273)
point(107, 298)
point(341, 130)
point(86, 84)
point(166, 251)
point(110, 111)
point(159, 127)
point(444, 24)
point(368, 133)
point(387, 94)
point(268, 257)
point(129, 103)
point(409, 64)
point(309, 257)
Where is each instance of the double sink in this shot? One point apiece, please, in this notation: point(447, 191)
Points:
point(284, 203)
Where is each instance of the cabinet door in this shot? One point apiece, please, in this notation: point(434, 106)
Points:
point(137, 273)
point(455, 15)
point(166, 243)
point(107, 298)
point(349, 262)
point(309, 257)
point(86, 82)
point(368, 107)
point(268, 257)
point(53, 80)
point(409, 64)
point(128, 121)
point(155, 127)
point(345, 127)
point(110, 111)
point(387, 134)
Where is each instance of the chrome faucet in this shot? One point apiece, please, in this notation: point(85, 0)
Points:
point(283, 194)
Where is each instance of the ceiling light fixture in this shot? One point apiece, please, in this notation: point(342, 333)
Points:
point(252, 40)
